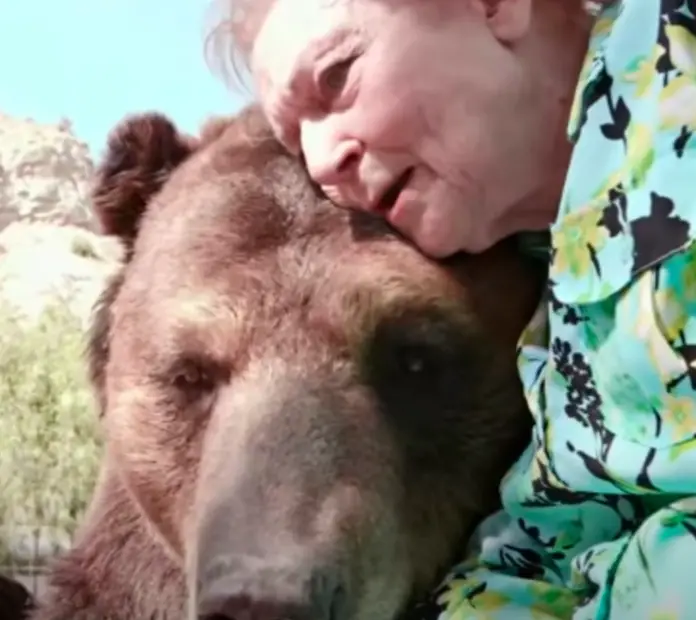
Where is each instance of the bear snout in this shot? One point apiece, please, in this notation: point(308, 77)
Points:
point(295, 505)
point(249, 588)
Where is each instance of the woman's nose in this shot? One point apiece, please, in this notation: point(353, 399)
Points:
point(337, 166)
point(330, 162)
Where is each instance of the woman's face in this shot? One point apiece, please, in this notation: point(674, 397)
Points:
point(426, 112)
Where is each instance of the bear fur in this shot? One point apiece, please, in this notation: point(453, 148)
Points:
point(282, 379)
point(15, 600)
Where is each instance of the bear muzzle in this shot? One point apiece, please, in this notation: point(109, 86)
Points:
point(247, 588)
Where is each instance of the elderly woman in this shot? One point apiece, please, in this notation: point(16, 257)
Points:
point(465, 121)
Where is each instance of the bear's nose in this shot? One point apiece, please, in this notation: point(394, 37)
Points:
point(270, 593)
point(240, 608)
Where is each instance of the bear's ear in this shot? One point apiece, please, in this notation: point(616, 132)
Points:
point(140, 155)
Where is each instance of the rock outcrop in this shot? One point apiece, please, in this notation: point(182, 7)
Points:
point(44, 174)
point(49, 250)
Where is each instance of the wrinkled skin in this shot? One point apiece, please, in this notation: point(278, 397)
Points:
point(446, 117)
point(304, 416)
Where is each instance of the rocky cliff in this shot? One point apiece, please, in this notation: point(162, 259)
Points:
point(44, 173)
point(49, 249)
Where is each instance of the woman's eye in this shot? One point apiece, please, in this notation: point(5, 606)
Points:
point(333, 79)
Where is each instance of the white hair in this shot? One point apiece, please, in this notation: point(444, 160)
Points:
point(235, 25)
point(230, 38)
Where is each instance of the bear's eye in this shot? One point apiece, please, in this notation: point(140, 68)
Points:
point(426, 369)
point(191, 376)
point(413, 360)
point(419, 353)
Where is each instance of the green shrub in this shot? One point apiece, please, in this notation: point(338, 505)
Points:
point(84, 247)
point(49, 443)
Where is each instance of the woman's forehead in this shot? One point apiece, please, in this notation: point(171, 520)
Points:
point(297, 33)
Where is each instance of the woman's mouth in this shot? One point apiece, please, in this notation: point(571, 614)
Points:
point(390, 197)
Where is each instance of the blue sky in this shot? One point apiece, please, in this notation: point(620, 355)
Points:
point(95, 61)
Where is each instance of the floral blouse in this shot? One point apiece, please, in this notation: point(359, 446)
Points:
point(599, 513)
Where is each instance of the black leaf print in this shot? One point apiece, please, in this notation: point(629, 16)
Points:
point(547, 492)
point(533, 532)
point(610, 220)
point(613, 215)
point(681, 141)
point(679, 18)
point(688, 354)
point(668, 7)
point(620, 119)
point(597, 469)
point(598, 88)
point(689, 528)
point(617, 195)
point(429, 609)
point(611, 131)
point(570, 315)
point(660, 206)
point(658, 234)
point(601, 86)
point(526, 562)
point(664, 62)
point(594, 467)
point(548, 545)
point(479, 589)
point(621, 115)
point(583, 402)
point(595, 261)
point(643, 479)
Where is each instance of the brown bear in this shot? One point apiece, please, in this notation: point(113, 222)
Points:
point(303, 415)
point(15, 600)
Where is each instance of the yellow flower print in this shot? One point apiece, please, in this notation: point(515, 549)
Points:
point(671, 313)
point(464, 596)
point(602, 26)
point(682, 48)
point(570, 536)
point(675, 300)
point(551, 601)
point(688, 282)
point(679, 416)
point(664, 615)
point(610, 182)
point(640, 152)
point(537, 331)
point(667, 612)
point(576, 106)
point(578, 235)
point(601, 29)
point(642, 71)
point(680, 448)
point(678, 103)
point(647, 328)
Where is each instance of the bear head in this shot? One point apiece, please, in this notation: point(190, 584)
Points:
point(307, 413)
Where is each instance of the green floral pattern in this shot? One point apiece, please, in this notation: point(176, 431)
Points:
point(599, 514)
